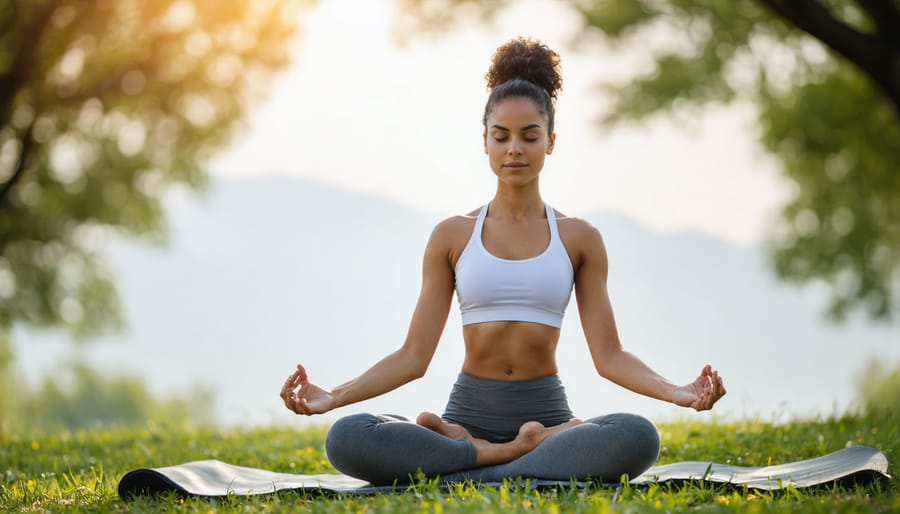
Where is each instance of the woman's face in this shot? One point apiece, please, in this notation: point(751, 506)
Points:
point(516, 140)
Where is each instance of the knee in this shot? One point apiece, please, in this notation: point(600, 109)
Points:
point(644, 440)
point(345, 434)
point(646, 436)
point(638, 439)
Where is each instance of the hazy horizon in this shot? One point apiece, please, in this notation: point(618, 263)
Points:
point(264, 272)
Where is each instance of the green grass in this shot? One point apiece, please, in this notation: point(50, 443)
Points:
point(79, 471)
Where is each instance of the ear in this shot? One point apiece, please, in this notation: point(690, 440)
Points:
point(484, 140)
point(550, 143)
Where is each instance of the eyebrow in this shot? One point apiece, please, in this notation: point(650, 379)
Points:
point(529, 127)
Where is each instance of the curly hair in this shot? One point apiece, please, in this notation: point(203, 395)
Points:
point(524, 67)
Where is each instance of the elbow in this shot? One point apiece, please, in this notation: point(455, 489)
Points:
point(417, 370)
point(602, 368)
point(417, 365)
point(605, 360)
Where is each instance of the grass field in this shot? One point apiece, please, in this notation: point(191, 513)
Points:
point(79, 471)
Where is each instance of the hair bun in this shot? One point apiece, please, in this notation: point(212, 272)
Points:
point(528, 59)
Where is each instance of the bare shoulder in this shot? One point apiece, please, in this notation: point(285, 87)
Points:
point(582, 240)
point(577, 230)
point(452, 234)
point(454, 226)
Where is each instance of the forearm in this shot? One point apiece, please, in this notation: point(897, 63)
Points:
point(625, 369)
point(389, 373)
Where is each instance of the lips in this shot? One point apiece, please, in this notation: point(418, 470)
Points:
point(514, 165)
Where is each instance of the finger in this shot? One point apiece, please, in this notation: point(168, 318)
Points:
point(301, 374)
point(289, 403)
point(303, 403)
point(703, 378)
point(717, 383)
point(702, 404)
point(290, 384)
point(289, 393)
point(713, 398)
point(701, 401)
point(286, 390)
point(289, 399)
point(697, 404)
point(291, 377)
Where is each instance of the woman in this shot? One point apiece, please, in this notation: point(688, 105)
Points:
point(513, 264)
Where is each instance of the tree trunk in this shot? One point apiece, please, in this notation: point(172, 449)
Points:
point(877, 55)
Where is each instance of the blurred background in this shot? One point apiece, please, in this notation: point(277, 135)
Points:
point(196, 195)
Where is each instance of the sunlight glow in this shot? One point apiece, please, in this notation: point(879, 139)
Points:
point(358, 111)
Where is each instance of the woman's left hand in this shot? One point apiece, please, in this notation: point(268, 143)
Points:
point(702, 393)
point(302, 397)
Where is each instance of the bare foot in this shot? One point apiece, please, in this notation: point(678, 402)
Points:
point(451, 430)
point(531, 434)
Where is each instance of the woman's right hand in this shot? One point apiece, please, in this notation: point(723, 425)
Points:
point(702, 393)
point(302, 397)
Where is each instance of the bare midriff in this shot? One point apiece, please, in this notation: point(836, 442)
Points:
point(510, 350)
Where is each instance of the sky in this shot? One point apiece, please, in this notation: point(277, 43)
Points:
point(360, 109)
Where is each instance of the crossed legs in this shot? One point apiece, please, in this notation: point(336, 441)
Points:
point(530, 435)
point(385, 449)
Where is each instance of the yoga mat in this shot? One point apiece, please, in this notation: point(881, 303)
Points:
point(210, 478)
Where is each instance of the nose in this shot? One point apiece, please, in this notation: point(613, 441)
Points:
point(514, 147)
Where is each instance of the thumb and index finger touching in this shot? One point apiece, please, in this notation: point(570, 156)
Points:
point(297, 378)
point(711, 388)
point(300, 375)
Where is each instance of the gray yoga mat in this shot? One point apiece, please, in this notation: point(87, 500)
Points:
point(210, 478)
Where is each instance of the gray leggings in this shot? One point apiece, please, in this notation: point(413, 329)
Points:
point(385, 449)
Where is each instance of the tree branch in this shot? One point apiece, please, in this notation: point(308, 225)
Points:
point(27, 142)
point(868, 52)
point(886, 17)
point(24, 59)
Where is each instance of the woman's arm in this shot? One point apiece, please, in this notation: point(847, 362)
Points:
point(409, 362)
point(610, 359)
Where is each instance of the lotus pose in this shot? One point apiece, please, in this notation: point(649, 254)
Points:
point(513, 264)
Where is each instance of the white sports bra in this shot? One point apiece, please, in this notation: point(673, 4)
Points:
point(536, 289)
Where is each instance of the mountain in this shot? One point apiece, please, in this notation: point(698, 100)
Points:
point(262, 273)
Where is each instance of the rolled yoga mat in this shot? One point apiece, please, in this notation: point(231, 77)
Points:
point(211, 478)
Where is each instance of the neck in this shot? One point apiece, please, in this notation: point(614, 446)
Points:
point(517, 203)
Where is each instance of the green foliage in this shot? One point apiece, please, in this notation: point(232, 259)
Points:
point(824, 76)
point(834, 129)
point(8, 383)
point(879, 389)
point(79, 470)
point(76, 397)
point(103, 105)
point(845, 217)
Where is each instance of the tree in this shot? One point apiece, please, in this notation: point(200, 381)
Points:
point(877, 387)
point(824, 76)
point(103, 105)
point(75, 396)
